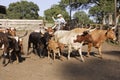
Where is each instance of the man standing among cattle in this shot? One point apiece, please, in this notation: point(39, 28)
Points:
point(59, 22)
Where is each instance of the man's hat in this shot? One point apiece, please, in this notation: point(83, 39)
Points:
point(59, 15)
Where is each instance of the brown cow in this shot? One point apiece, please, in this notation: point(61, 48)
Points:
point(99, 36)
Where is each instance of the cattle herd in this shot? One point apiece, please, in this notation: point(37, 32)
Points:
point(47, 41)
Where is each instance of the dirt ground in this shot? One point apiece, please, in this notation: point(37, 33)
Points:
point(94, 68)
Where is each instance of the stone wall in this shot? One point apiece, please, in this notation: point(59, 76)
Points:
point(21, 24)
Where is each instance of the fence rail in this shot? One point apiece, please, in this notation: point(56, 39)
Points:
point(28, 24)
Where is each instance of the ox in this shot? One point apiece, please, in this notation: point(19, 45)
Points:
point(98, 38)
point(68, 38)
point(39, 42)
point(10, 45)
point(10, 31)
point(43, 30)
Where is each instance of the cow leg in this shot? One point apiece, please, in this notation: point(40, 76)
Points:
point(4, 57)
point(69, 51)
point(9, 56)
point(39, 52)
point(54, 55)
point(48, 54)
point(28, 48)
point(80, 53)
point(99, 51)
point(89, 49)
point(21, 49)
point(59, 54)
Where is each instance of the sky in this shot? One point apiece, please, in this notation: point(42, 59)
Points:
point(43, 4)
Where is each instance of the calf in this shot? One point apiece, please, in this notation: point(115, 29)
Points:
point(53, 48)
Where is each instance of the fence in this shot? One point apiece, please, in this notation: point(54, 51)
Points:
point(21, 24)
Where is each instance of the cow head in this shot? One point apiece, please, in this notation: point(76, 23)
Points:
point(85, 37)
point(50, 30)
point(110, 34)
point(47, 37)
point(11, 31)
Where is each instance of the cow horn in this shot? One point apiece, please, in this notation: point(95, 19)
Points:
point(24, 34)
point(45, 27)
point(89, 28)
point(42, 31)
point(92, 29)
point(54, 26)
point(14, 37)
point(11, 37)
point(114, 27)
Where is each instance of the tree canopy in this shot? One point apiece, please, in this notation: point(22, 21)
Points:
point(23, 10)
point(83, 17)
point(97, 8)
point(54, 11)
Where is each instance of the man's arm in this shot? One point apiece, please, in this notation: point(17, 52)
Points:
point(53, 19)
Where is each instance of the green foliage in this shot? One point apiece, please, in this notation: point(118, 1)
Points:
point(23, 10)
point(102, 8)
point(75, 4)
point(53, 11)
point(83, 17)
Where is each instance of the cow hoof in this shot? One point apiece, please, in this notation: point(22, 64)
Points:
point(83, 60)
point(68, 58)
point(100, 57)
point(3, 62)
point(87, 55)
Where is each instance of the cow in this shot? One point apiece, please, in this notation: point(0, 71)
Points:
point(53, 48)
point(39, 42)
point(43, 30)
point(14, 50)
point(98, 38)
point(10, 45)
point(67, 38)
point(10, 31)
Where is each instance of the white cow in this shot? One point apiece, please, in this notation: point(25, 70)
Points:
point(68, 37)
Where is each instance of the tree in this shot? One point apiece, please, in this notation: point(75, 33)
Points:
point(53, 11)
point(104, 7)
point(83, 17)
point(100, 8)
point(23, 10)
point(2, 11)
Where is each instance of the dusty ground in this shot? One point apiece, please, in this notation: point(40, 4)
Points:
point(35, 68)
